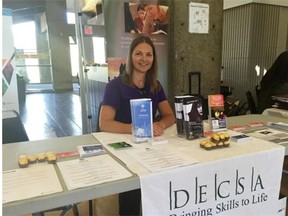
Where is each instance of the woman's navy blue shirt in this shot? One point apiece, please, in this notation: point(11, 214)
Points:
point(118, 95)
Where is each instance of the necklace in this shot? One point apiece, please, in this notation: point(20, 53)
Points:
point(142, 91)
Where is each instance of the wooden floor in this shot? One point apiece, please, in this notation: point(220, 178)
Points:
point(49, 115)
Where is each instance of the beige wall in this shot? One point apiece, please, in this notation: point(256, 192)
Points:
point(282, 41)
point(254, 34)
point(235, 3)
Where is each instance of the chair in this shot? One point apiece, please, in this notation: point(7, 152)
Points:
point(12, 127)
point(257, 90)
point(251, 103)
point(98, 116)
point(64, 210)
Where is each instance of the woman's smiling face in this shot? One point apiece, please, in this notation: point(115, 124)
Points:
point(142, 57)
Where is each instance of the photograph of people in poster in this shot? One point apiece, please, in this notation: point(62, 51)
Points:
point(146, 18)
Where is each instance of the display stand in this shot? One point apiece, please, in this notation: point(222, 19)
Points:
point(83, 79)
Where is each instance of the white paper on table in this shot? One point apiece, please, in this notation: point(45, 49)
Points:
point(83, 172)
point(35, 180)
point(159, 159)
point(272, 135)
point(105, 138)
point(135, 166)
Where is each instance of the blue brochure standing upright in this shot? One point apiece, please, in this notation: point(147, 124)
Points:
point(142, 122)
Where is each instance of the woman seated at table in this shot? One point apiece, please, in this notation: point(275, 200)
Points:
point(274, 82)
point(139, 81)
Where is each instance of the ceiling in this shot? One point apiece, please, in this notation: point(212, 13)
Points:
point(30, 6)
point(24, 10)
point(22, 4)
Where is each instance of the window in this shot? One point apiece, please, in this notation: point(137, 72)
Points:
point(99, 50)
point(74, 56)
point(70, 18)
point(25, 39)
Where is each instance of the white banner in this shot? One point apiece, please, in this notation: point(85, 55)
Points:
point(246, 185)
point(9, 79)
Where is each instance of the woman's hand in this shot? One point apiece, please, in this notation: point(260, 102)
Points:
point(158, 129)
